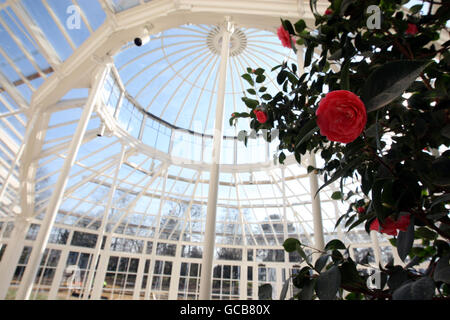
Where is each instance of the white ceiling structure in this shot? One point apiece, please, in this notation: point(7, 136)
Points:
point(102, 139)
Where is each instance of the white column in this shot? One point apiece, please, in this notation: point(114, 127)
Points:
point(12, 254)
point(243, 282)
point(26, 284)
point(175, 276)
point(319, 242)
point(285, 204)
point(19, 154)
point(209, 241)
point(102, 229)
point(139, 277)
point(58, 274)
point(101, 269)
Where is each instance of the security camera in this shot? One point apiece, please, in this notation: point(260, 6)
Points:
point(101, 131)
point(144, 38)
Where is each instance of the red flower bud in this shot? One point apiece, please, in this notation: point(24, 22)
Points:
point(361, 210)
point(284, 37)
point(329, 11)
point(412, 29)
point(341, 116)
point(261, 116)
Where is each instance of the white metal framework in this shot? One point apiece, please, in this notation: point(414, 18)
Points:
point(120, 177)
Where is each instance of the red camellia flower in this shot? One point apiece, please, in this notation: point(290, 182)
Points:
point(284, 37)
point(341, 116)
point(328, 11)
point(261, 116)
point(390, 226)
point(412, 29)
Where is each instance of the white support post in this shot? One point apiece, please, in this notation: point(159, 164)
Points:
point(319, 242)
point(102, 229)
point(139, 277)
point(148, 287)
point(12, 254)
point(210, 231)
point(376, 247)
point(175, 279)
point(19, 154)
point(285, 224)
point(119, 105)
point(243, 282)
point(101, 270)
point(26, 284)
point(58, 274)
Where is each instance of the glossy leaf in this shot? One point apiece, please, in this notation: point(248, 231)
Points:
point(265, 292)
point(442, 271)
point(389, 81)
point(328, 284)
point(405, 241)
point(422, 289)
point(335, 245)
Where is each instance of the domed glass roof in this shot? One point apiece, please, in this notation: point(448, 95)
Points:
point(175, 76)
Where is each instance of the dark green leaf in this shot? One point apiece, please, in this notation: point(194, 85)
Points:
point(446, 131)
point(337, 195)
point(444, 198)
point(290, 244)
point(441, 171)
point(422, 289)
point(339, 173)
point(287, 25)
point(251, 103)
point(313, 6)
point(307, 292)
point(397, 278)
point(285, 288)
point(405, 241)
point(302, 253)
point(389, 81)
point(308, 134)
point(335, 244)
point(282, 157)
point(442, 271)
point(344, 5)
point(416, 8)
point(266, 96)
point(426, 233)
point(300, 25)
point(336, 55)
point(259, 71)
point(249, 79)
point(350, 275)
point(321, 262)
point(282, 75)
point(260, 78)
point(265, 292)
point(345, 82)
point(308, 56)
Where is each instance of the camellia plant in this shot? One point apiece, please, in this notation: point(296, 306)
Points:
point(373, 102)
